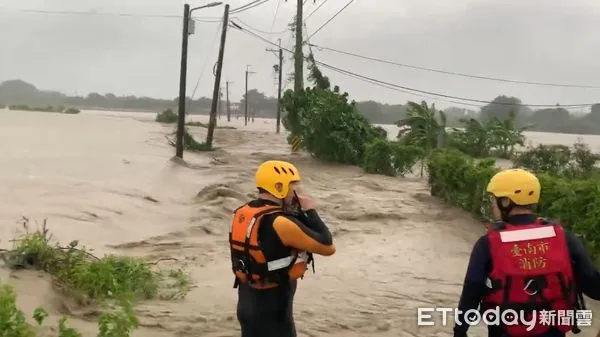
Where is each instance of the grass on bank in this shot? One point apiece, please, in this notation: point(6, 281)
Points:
point(49, 108)
point(189, 142)
point(118, 322)
point(170, 117)
point(76, 272)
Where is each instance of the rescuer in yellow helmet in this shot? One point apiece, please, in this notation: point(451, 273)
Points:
point(272, 239)
point(526, 264)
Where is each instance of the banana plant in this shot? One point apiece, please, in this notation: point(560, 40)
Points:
point(422, 127)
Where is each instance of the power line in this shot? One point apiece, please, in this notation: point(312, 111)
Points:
point(275, 16)
point(450, 96)
point(96, 13)
point(244, 6)
point(328, 21)
point(258, 30)
point(316, 9)
point(363, 79)
point(203, 69)
point(455, 73)
point(413, 90)
point(114, 14)
point(248, 6)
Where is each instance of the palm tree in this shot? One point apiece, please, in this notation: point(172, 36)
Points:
point(505, 134)
point(473, 139)
point(421, 127)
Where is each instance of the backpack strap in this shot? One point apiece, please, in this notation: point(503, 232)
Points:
point(498, 226)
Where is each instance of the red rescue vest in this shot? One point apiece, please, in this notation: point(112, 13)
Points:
point(531, 271)
point(249, 263)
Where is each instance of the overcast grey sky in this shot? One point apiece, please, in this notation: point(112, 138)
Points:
point(534, 40)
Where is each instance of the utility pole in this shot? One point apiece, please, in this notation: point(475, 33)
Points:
point(280, 70)
point(213, 107)
point(220, 106)
point(227, 98)
point(182, 82)
point(298, 55)
point(246, 96)
point(187, 24)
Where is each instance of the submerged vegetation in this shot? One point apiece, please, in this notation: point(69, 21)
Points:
point(48, 108)
point(113, 282)
point(189, 142)
point(166, 117)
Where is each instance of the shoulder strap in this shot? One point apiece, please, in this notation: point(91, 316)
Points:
point(237, 209)
point(547, 221)
point(498, 226)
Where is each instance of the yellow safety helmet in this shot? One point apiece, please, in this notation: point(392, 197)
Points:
point(518, 185)
point(273, 172)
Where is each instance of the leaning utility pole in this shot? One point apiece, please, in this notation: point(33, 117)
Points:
point(188, 29)
point(246, 96)
point(298, 55)
point(182, 81)
point(220, 106)
point(280, 70)
point(227, 98)
point(213, 107)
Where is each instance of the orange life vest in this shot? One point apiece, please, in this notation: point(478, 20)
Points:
point(249, 263)
point(531, 272)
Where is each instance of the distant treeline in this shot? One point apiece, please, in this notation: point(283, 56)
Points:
point(17, 92)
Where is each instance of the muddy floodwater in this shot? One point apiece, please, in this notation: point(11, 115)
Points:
point(107, 180)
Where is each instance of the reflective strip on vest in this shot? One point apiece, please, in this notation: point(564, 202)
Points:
point(528, 234)
point(250, 227)
point(286, 261)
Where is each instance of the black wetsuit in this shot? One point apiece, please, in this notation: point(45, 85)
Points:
point(269, 312)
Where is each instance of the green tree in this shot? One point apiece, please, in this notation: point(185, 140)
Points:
point(473, 140)
point(501, 108)
point(422, 128)
point(505, 135)
point(330, 127)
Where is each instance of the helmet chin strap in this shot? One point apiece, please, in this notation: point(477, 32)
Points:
point(504, 211)
point(293, 207)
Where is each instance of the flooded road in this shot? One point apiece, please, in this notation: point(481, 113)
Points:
point(107, 180)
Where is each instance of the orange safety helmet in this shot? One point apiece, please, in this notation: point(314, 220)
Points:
point(273, 172)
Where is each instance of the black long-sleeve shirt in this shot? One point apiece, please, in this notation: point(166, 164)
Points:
point(586, 276)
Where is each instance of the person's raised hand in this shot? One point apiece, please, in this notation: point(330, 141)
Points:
point(306, 203)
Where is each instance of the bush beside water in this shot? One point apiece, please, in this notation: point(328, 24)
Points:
point(112, 282)
point(166, 117)
point(569, 196)
point(48, 108)
point(330, 128)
